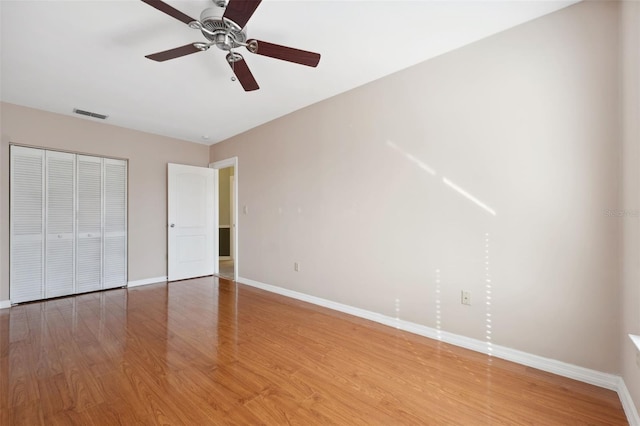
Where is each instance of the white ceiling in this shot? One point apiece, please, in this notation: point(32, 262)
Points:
point(60, 55)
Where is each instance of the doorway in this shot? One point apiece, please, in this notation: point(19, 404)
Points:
point(226, 218)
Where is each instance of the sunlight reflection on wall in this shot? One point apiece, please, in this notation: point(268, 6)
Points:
point(467, 195)
point(487, 277)
point(487, 272)
point(411, 158)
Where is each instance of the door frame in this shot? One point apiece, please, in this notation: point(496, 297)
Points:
point(217, 165)
point(232, 210)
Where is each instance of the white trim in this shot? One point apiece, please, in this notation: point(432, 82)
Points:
point(232, 208)
point(228, 162)
point(636, 340)
point(627, 404)
point(138, 283)
point(223, 164)
point(4, 304)
point(560, 368)
point(216, 219)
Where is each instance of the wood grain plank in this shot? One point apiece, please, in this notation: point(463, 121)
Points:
point(209, 351)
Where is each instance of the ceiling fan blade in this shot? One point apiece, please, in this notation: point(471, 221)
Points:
point(241, 70)
point(169, 10)
point(284, 53)
point(187, 49)
point(240, 11)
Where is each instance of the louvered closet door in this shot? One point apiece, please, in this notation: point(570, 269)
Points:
point(27, 224)
point(60, 218)
point(115, 223)
point(89, 228)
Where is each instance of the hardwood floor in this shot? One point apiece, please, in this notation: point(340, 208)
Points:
point(204, 351)
point(226, 269)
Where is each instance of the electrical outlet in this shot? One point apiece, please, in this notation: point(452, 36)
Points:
point(465, 297)
point(245, 209)
point(296, 266)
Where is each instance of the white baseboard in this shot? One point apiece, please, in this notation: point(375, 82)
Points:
point(4, 304)
point(627, 404)
point(137, 283)
point(597, 378)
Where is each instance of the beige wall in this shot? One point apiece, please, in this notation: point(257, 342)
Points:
point(526, 122)
point(148, 156)
point(630, 295)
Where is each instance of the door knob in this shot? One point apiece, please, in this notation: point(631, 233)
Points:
point(173, 225)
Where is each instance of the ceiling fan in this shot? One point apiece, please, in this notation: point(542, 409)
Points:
point(224, 26)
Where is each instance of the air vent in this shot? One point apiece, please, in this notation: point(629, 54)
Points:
point(90, 114)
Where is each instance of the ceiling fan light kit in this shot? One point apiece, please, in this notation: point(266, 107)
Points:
point(224, 25)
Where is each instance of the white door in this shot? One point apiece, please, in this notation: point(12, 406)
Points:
point(60, 224)
point(89, 246)
point(68, 224)
point(191, 219)
point(27, 224)
point(115, 224)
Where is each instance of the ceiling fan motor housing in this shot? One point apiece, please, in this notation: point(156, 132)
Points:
point(224, 34)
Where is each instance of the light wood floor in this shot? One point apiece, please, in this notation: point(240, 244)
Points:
point(226, 269)
point(204, 352)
